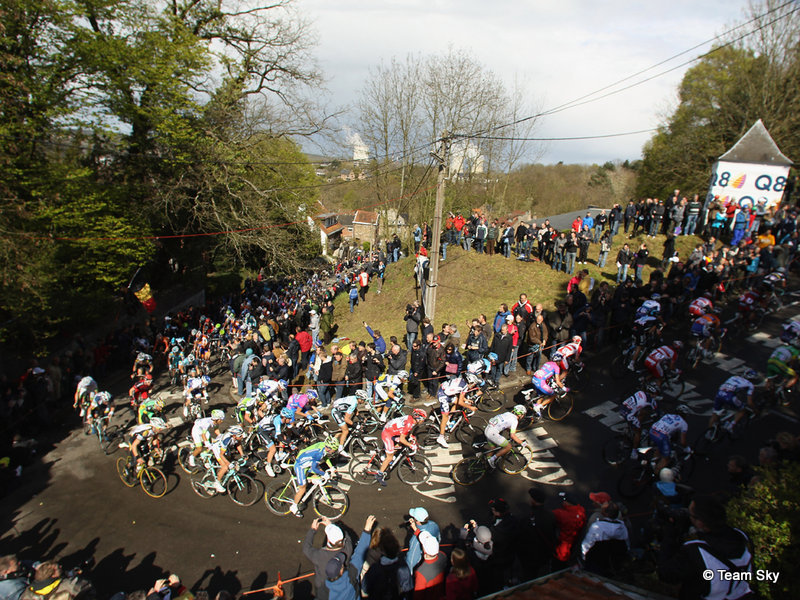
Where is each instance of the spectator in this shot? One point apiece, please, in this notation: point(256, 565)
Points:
point(570, 518)
point(429, 575)
point(380, 343)
point(363, 282)
point(587, 222)
point(479, 549)
point(462, 582)
point(558, 251)
point(501, 346)
point(453, 361)
point(50, 582)
point(541, 531)
point(599, 224)
point(418, 517)
point(571, 253)
point(12, 579)
point(605, 247)
point(640, 261)
point(630, 215)
point(353, 296)
point(418, 369)
point(396, 359)
point(413, 318)
point(387, 577)
point(335, 542)
point(476, 344)
point(505, 535)
point(584, 239)
point(435, 363)
point(537, 339)
point(607, 528)
point(559, 323)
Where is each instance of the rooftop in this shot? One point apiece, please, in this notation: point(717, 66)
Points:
point(757, 146)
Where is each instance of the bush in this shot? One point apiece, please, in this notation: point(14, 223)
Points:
point(365, 246)
point(769, 512)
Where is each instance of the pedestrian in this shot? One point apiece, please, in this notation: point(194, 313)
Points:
point(335, 542)
point(558, 251)
point(418, 517)
point(353, 296)
point(462, 581)
point(624, 258)
point(413, 318)
point(571, 253)
point(605, 247)
point(429, 575)
point(640, 261)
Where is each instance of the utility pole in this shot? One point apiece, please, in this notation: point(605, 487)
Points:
point(433, 280)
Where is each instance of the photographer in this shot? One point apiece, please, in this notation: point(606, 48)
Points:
point(13, 578)
point(49, 581)
point(418, 519)
point(413, 318)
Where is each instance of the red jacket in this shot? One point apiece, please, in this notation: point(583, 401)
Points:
point(304, 339)
point(459, 222)
point(576, 224)
point(570, 520)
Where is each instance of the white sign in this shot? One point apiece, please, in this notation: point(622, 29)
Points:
point(747, 184)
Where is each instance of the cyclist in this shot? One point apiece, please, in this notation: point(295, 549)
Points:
point(706, 329)
point(398, 431)
point(304, 405)
point(195, 389)
point(271, 389)
point(661, 434)
point(791, 333)
point(661, 361)
point(187, 365)
point(202, 347)
point(142, 438)
point(272, 428)
point(545, 379)
point(201, 433)
point(568, 355)
point(309, 459)
point(387, 389)
point(143, 361)
point(701, 306)
point(224, 444)
point(782, 362)
point(148, 409)
point(83, 394)
point(342, 413)
point(99, 406)
point(646, 329)
point(748, 303)
point(452, 395)
point(497, 425)
point(141, 388)
point(637, 408)
point(247, 411)
point(174, 364)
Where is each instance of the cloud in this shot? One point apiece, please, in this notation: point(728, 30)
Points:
point(560, 50)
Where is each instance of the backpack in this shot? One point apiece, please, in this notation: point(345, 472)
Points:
point(384, 583)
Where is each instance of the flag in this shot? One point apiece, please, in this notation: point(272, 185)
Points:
point(146, 297)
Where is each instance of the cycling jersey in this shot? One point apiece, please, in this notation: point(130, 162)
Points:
point(633, 405)
point(703, 326)
point(542, 377)
point(641, 329)
point(748, 301)
point(246, 406)
point(222, 444)
point(174, 360)
point(297, 402)
point(344, 406)
point(269, 387)
point(780, 360)
point(86, 386)
point(400, 426)
point(200, 428)
point(729, 393)
point(658, 358)
point(309, 459)
point(648, 307)
point(566, 354)
point(700, 306)
point(664, 430)
point(386, 383)
point(449, 391)
point(142, 432)
point(146, 410)
point(791, 332)
point(497, 425)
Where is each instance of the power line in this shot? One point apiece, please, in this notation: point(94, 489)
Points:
point(560, 139)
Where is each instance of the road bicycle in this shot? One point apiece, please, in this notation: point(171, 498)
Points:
point(618, 449)
point(557, 410)
point(641, 473)
point(724, 427)
point(576, 378)
point(472, 469)
point(485, 399)
point(412, 469)
point(463, 423)
point(373, 421)
point(242, 488)
point(697, 353)
point(149, 476)
point(108, 436)
point(671, 385)
point(326, 497)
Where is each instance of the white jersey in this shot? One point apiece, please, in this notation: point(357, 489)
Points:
point(269, 388)
point(637, 402)
point(507, 420)
point(671, 424)
point(87, 384)
point(454, 387)
point(202, 425)
point(734, 385)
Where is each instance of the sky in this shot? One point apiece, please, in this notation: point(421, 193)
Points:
point(559, 49)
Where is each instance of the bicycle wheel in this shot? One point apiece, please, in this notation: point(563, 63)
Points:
point(492, 401)
point(243, 489)
point(427, 434)
point(358, 447)
point(414, 470)
point(279, 497)
point(469, 470)
point(363, 469)
point(707, 439)
point(110, 443)
point(634, 480)
point(184, 454)
point(154, 482)
point(203, 486)
point(371, 425)
point(126, 471)
point(468, 431)
point(560, 407)
point(515, 461)
point(331, 502)
point(617, 450)
point(528, 421)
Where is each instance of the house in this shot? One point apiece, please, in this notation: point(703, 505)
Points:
point(330, 230)
point(365, 226)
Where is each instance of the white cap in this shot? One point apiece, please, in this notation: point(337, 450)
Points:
point(419, 513)
point(430, 545)
point(334, 534)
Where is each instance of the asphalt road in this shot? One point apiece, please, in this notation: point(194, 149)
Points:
point(72, 504)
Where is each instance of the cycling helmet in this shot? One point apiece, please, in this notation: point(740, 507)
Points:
point(236, 431)
point(683, 410)
point(282, 383)
point(287, 413)
point(362, 395)
point(666, 475)
point(103, 397)
point(159, 404)
point(751, 375)
point(194, 332)
point(332, 444)
point(652, 388)
point(677, 345)
point(492, 356)
point(519, 410)
point(473, 379)
point(158, 423)
point(217, 415)
point(206, 379)
point(577, 339)
point(475, 367)
point(143, 357)
point(312, 395)
point(419, 414)
point(402, 375)
point(191, 358)
point(650, 308)
point(655, 297)
point(175, 350)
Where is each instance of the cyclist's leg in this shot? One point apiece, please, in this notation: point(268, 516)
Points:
point(498, 440)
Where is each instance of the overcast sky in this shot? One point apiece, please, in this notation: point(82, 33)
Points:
point(559, 49)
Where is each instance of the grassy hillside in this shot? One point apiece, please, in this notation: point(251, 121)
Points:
point(472, 283)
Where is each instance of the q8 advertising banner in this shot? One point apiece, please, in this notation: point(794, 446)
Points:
point(747, 184)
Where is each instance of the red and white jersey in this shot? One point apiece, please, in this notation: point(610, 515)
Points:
point(661, 354)
point(563, 354)
point(749, 300)
point(363, 278)
point(700, 306)
point(634, 404)
point(399, 426)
